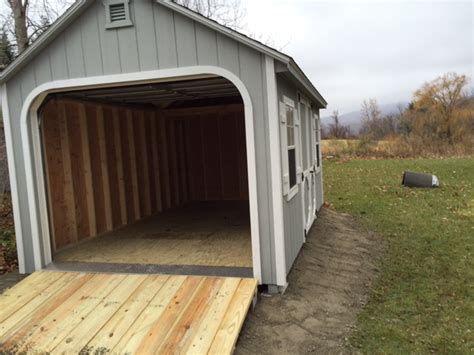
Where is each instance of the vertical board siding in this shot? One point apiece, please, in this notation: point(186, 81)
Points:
point(165, 37)
point(111, 56)
point(146, 36)
point(57, 59)
point(128, 50)
point(74, 52)
point(185, 41)
point(206, 45)
point(112, 166)
point(294, 231)
point(228, 52)
point(100, 191)
point(42, 69)
point(91, 46)
point(59, 208)
point(78, 170)
point(104, 163)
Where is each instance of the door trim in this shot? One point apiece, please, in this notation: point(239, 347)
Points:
point(34, 169)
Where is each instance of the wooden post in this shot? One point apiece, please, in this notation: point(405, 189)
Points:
point(69, 197)
point(133, 165)
point(156, 162)
point(120, 173)
point(164, 161)
point(144, 161)
point(86, 157)
point(104, 165)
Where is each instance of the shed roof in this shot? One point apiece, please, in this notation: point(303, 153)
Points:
point(81, 5)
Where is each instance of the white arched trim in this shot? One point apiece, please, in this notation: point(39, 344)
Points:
point(33, 159)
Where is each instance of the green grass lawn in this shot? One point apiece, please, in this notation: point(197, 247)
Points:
point(423, 300)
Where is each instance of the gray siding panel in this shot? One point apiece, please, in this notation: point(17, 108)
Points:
point(57, 56)
point(228, 54)
point(166, 38)
point(185, 41)
point(109, 42)
point(206, 43)
point(91, 45)
point(319, 191)
point(146, 36)
point(27, 81)
point(74, 52)
point(42, 67)
point(294, 231)
point(128, 49)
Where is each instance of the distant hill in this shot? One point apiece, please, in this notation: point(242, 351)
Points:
point(353, 119)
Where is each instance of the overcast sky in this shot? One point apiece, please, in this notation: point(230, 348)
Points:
point(356, 50)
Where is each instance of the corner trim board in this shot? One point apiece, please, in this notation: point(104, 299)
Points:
point(276, 168)
point(13, 181)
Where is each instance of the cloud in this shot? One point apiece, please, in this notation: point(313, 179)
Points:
point(357, 50)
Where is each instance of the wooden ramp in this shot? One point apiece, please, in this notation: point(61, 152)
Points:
point(65, 312)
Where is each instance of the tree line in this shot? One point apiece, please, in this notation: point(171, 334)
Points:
point(439, 117)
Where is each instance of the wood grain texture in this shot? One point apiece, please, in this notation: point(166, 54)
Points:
point(109, 166)
point(119, 313)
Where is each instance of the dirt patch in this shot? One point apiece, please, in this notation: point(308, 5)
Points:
point(328, 286)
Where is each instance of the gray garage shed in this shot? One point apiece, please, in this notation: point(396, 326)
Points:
point(141, 133)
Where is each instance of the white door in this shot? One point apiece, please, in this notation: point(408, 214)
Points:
point(308, 147)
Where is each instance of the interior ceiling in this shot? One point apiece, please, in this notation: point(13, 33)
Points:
point(186, 93)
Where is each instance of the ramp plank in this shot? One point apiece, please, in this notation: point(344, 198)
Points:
point(226, 336)
point(61, 312)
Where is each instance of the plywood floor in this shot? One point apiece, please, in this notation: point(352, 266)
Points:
point(57, 312)
point(205, 234)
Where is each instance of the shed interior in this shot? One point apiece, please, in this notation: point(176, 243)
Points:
point(151, 174)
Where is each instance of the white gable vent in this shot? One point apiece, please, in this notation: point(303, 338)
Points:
point(117, 13)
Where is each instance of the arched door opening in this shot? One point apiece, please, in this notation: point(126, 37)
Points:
point(148, 177)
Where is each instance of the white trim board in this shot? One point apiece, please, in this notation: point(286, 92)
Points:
point(277, 183)
point(34, 169)
point(13, 181)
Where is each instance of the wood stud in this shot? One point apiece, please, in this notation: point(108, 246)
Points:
point(145, 161)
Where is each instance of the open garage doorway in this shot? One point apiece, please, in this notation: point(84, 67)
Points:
point(148, 177)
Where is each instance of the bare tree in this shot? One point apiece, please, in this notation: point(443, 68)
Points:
point(336, 129)
point(229, 13)
point(371, 119)
point(28, 19)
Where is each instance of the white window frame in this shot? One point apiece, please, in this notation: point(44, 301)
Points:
point(288, 191)
point(317, 152)
point(117, 24)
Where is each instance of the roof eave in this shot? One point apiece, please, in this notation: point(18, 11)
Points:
point(296, 71)
point(224, 30)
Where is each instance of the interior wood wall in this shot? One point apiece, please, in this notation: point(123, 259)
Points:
point(108, 166)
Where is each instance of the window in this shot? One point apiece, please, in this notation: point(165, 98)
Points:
point(317, 126)
point(117, 13)
point(290, 150)
point(291, 145)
